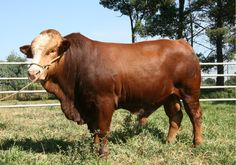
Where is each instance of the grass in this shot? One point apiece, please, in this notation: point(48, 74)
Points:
point(45, 136)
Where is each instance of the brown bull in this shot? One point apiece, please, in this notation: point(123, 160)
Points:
point(92, 79)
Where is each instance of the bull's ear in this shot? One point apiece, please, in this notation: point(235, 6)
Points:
point(26, 49)
point(65, 44)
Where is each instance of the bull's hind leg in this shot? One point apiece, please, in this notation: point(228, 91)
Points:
point(172, 108)
point(193, 109)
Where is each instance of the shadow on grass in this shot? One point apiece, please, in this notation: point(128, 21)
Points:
point(75, 151)
point(41, 146)
point(129, 131)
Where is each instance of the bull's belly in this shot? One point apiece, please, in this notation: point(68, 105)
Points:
point(135, 106)
point(149, 99)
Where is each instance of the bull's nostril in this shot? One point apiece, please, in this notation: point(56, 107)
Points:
point(32, 74)
point(37, 73)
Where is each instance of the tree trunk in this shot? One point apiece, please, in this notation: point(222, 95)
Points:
point(181, 19)
point(219, 46)
point(132, 28)
point(191, 23)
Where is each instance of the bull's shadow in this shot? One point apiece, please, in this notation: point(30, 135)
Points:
point(45, 145)
point(128, 131)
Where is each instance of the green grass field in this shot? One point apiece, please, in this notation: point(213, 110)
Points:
point(45, 136)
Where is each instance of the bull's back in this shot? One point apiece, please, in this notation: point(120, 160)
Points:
point(153, 59)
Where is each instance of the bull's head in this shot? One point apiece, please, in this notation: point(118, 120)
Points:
point(43, 49)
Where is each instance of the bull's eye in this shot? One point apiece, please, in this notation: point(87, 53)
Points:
point(51, 51)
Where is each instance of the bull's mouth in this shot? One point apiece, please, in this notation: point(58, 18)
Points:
point(33, 77)
point(38, 76)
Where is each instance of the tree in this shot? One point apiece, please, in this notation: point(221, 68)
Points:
point(175, 19)
point(162, 22)
point(136, 10)
point(221, 32)
point(13, 71)
point(209, 81)
point(231, 80)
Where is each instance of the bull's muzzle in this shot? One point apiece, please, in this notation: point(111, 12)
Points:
point(33, 74)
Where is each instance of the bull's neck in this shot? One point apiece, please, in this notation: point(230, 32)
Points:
point(62, 85)
point(67, 76)
point(67, 72)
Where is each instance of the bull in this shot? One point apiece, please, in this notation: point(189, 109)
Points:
point(92, 79)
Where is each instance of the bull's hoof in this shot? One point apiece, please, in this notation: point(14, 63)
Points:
point(170, 140)
point(197, 142)
point(103, 153)
point(78, 119)
point(80, 122)
point(142, 121)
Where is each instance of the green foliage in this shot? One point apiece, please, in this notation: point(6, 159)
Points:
point(231, 80)
point(13, 71)
point(163, 22)
point(43, 136)
point(213, 33)
point(209, 81)
point(14, 57)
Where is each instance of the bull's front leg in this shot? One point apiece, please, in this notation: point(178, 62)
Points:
point(105, 108)
point(100, 138)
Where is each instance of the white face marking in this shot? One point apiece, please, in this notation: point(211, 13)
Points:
point(41, 48)
point(39, 45)
point(38, 49)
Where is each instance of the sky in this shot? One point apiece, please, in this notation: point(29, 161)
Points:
point(23, 20)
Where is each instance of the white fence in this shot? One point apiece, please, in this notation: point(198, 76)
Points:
point(57, 104)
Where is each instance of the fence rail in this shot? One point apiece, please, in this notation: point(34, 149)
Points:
point(14, 63)
point(24, 91)
point(215, 63)
point(30, 105)
point(217, 75)
point(57, 104)
point(13, 78)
